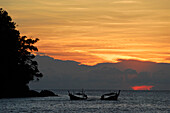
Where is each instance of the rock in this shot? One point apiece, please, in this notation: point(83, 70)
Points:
point(46, 93)
point(29, 93)
point(33, 93)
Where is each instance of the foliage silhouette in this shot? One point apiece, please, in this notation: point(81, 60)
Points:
point(17, 64)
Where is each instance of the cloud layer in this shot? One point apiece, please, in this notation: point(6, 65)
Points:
point(122, 75)
point(106, 30)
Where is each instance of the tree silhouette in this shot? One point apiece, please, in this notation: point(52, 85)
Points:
point(17, 65)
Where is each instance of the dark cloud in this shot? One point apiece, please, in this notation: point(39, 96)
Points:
point(122, 75)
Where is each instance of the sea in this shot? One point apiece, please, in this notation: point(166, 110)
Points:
point(128, 102)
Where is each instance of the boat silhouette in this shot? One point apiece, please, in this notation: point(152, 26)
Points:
point(110, 96)
point(77, 96)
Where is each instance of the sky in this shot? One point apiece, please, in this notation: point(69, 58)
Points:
point(96, 31)
point(123, 44)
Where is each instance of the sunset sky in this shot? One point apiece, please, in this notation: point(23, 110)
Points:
point(96, 31)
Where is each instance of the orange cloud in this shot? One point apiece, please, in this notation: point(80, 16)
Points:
point(100, 30)
point(142, 87)
point(81, 57)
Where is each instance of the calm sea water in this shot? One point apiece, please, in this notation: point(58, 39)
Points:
point(129, 101)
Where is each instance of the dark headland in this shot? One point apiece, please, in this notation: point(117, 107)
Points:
point(18, 66)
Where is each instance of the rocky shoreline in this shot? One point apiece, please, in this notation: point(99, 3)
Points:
point(42, 93)
point(30, 93)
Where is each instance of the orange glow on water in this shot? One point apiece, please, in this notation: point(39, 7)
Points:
point(142, 87)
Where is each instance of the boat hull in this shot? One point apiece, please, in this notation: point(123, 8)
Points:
point(73, 97)
point(111, 96)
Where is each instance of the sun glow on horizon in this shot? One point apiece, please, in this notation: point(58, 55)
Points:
point(142, 87)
